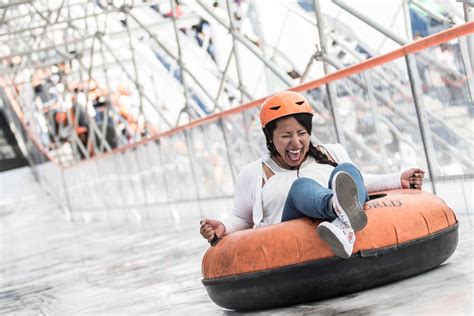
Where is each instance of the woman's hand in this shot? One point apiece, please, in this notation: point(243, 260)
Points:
point(412, 178)
point(211, 227)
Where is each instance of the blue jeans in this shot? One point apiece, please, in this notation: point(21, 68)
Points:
point(308, 198)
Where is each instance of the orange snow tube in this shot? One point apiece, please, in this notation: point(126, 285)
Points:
point(408, 232)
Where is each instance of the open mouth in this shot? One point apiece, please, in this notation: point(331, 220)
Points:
point(294, 154)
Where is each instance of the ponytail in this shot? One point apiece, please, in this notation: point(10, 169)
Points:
point(319, 156)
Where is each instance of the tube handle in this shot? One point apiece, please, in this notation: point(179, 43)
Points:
point(214, 240)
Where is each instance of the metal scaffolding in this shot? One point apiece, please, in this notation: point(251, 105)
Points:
point(129, 70)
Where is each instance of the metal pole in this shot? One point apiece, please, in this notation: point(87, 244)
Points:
point(154, 28)
point(126, 10)
point(180, 61)
point(14, 3)
point(329, 87)
point(468, 7)
point(221, 83)
point(422, 119)
point(463, 45)
point(407, 18)
point(32, 28)
point(432, 14)
point(308, 66)
point(234, 51)
point(394, 37)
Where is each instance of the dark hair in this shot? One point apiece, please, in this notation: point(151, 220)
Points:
point(305, 120)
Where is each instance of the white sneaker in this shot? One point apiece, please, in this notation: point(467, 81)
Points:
point(339, 236)
point(345, 202)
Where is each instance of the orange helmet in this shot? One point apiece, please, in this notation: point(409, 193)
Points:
point(282, 104)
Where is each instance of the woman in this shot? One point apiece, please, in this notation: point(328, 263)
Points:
point(297, 179)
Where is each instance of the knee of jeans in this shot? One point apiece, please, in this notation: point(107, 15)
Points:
point(299, 183)
point(351, 168)
point(347, 165)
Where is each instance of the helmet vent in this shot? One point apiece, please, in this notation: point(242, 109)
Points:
point(300, 102)
point(275, 107)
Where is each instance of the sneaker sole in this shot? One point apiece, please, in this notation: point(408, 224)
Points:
point(334, 243)
point(347, 197)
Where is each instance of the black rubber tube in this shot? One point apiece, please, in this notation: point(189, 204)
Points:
point(330, 277)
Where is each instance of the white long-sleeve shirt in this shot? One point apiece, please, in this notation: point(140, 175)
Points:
point(248, 210)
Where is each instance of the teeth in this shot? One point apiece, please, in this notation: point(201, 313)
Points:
point(294, 154)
